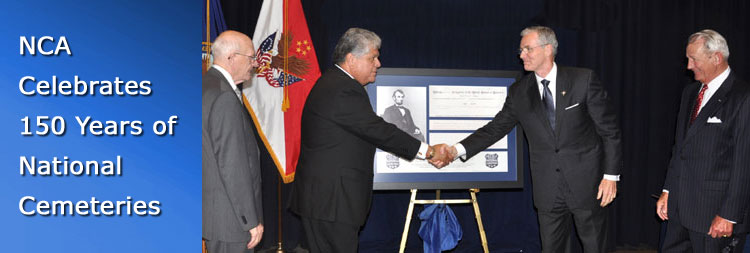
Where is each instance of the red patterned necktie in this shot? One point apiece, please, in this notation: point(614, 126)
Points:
point(698, 102)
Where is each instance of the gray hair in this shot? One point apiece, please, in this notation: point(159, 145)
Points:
point(546, 36)
point(712, 42)
point(357, 41)
point(224, 46)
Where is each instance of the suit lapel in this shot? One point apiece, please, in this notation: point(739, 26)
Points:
point(562, 89)
point(710, 108)
point(536, 102)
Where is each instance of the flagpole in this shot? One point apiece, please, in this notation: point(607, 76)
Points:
point(204, 68)
point(279, 122)
point(280, 249)
point(207, 43)
point(284, 106)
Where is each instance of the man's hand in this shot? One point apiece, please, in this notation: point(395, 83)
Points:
point(661, 206)
point(607, 191)
point(443, 155)
point(720, 227)
point(256, 234)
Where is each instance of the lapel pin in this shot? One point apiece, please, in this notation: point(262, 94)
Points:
point(563, 93)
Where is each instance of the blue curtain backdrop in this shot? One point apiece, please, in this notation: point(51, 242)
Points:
point(636, 46)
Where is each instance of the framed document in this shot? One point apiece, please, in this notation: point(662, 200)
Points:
point(444, 106)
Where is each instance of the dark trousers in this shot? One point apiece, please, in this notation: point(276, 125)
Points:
point(216, 246)
point(330, 237)
point(681, 239)
point(554, 225)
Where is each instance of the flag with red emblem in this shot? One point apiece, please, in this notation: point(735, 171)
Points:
point(288, 70)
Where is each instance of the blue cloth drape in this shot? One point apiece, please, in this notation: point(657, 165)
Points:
point(440, 229)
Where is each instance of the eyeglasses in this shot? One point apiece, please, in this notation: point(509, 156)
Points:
point(252, 57)
point(528, 49)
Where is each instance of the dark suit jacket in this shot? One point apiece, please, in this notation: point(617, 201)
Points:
point(340, 131)
point(404, 122)
point(584, 145)
point(231, 164)
point(709, 173)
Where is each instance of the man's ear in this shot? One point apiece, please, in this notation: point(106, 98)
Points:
point(549, 50)
point(718, 57)
point(349, 59)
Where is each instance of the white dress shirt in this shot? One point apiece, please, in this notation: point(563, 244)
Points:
point(713, 85)
point(552, 78)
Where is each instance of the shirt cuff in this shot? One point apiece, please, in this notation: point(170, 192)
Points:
point(460, 151)
point(612, 177)
point(665, 190)
point(422, 151)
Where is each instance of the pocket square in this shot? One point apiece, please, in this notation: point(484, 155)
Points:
point(571, 107)
point(713, 120)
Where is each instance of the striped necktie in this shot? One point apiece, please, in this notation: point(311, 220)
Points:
point(698, 102)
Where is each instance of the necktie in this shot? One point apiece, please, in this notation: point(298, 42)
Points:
point(698, 102)
point(401, 109)
point(238, 91)
point(549, 104)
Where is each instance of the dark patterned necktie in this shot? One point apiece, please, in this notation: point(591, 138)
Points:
point(549, 104)
point(698, 102)
point(238, 91)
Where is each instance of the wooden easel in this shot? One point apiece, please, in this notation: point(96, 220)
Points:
point(437, 200)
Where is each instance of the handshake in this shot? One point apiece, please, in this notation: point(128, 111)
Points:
point(441, 155)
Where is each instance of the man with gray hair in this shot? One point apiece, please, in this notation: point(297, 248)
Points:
point(706, 190)
point(574, 143)
point(232, 212)
point(340, 131)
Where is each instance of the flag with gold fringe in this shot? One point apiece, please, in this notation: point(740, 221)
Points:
point(288, 70)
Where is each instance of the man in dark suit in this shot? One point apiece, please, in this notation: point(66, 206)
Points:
point(333, 186)
point(232, 211)
point(574, 143)
point(400, 116)
point(707, 188)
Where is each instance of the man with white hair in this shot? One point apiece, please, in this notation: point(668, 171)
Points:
point(707, 187)
point(232, 212)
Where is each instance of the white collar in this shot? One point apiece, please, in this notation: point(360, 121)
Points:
point(226, 75)
point(551, 76)
point(716, 83)
point(347, 73)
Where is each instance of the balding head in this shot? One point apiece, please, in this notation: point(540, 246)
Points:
point(234, 52)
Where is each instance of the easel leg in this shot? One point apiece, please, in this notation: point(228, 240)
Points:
point(479, 219)
point(408, 220)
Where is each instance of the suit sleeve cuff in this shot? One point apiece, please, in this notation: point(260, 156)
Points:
point(612, 177)
point(422, 153)
point(460, 151)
